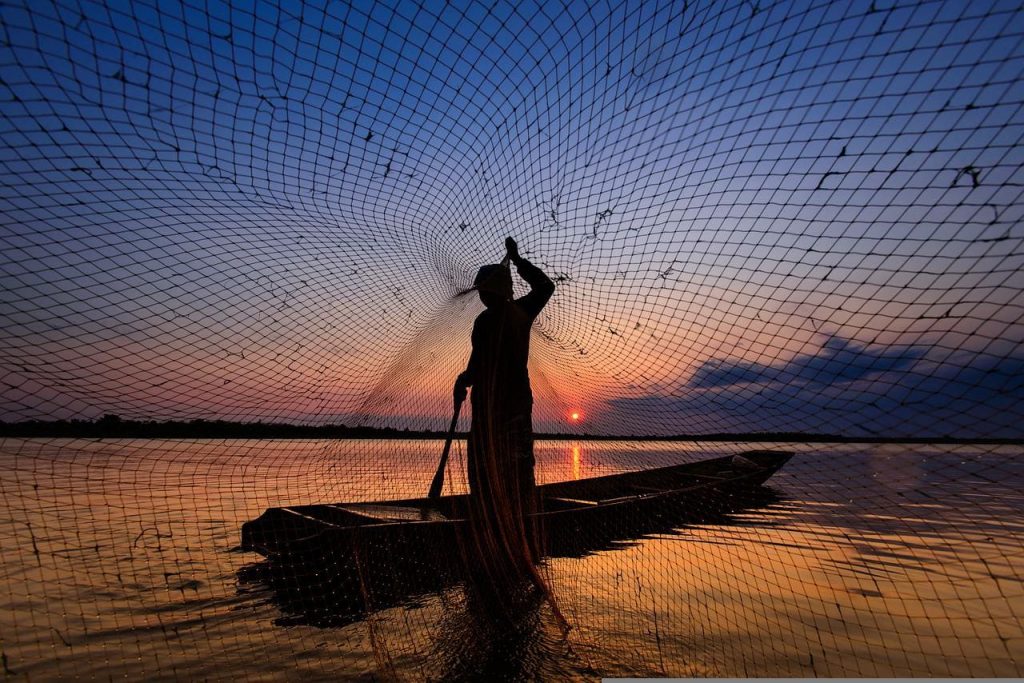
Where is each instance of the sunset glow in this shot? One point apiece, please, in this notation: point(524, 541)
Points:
point(751, 275)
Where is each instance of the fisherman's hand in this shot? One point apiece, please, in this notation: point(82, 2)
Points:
point(513, 250)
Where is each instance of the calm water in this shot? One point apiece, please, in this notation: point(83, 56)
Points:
point(872, 560)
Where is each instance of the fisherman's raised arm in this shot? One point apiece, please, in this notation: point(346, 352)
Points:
point(541, 286)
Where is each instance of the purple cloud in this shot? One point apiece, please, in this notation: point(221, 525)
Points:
point(839, 361)
point(846, 390)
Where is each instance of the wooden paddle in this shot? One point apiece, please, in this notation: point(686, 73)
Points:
point(435, 486)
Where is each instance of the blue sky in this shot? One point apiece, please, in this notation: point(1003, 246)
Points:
point(256, 212)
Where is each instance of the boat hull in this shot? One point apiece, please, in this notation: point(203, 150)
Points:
point(566, 508)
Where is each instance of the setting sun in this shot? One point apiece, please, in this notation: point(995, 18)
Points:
point(575, 417)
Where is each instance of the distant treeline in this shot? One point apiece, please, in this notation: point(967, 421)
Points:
point(114, 427)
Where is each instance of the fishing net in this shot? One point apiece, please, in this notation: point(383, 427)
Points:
point(235, 244)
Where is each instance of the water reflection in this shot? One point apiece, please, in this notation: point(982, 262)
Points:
point(581, 459)
point(882, 560)
point(478, 640)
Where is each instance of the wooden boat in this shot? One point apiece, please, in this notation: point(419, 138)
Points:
point(330, 565)
point(565, 507)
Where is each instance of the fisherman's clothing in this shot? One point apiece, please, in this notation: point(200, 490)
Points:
point(500, 448)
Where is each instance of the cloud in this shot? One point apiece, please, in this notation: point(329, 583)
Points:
point(839, 361)
point(847, 390)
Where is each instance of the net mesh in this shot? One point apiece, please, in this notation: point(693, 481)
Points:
point(234, 243)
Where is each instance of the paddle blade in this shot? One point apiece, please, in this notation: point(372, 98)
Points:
point(438, 482)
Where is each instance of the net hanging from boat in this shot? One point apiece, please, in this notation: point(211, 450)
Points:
point(235, 240)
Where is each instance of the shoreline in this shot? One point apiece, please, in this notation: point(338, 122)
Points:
point(115, 428)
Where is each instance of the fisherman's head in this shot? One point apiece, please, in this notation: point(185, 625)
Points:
point(494, 284)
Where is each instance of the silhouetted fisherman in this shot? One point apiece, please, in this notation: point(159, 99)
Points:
point(500, 449)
